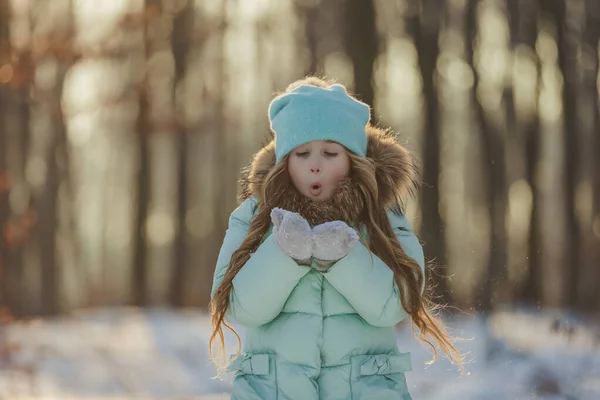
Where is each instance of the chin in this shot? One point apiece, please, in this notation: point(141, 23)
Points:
point(311, 197)
point(320, 197)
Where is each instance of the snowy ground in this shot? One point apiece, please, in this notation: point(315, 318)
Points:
point(121, 354)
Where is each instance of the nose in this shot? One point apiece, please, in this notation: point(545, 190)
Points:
point(315, 165)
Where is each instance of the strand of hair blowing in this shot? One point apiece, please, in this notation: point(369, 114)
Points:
point(220, 302)
point(407, 272)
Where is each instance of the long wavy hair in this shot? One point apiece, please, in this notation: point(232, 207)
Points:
point(381, 241)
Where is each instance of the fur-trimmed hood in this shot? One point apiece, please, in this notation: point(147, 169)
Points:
point(396, 172)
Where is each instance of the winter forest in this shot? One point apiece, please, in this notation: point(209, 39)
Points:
point(125, 124)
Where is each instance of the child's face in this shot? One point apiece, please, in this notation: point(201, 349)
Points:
point(316, 168)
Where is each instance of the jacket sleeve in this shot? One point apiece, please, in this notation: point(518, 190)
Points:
point(264, 283)
point(368, 283)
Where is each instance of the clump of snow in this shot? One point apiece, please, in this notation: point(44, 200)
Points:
point(126, 353)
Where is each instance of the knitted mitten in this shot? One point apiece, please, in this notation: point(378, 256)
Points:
point(292, 233)
point(332, 240)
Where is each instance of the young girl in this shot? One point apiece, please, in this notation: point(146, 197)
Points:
point(319, 262)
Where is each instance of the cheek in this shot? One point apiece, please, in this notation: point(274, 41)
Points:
point(338, 172)
point(341, 169)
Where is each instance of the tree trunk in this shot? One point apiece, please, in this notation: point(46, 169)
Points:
point(590, 297)
point(225, 194)
point(497, 141)
point(47, 221)
point(140, 270)
point(567, 56)
point(311, 14)
point(17, 217)
point(56, 156)
point(426, 31)
point(360, 40)
point(4, 175)
point(139, 263)
point(182, 29)
point(531, 292)
point(495, 185)
point(22, 214)
point(69, 258)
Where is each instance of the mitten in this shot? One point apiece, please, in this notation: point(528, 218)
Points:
point(332, 240)
point(292, 233)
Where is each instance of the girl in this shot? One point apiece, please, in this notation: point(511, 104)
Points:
point(319, 262)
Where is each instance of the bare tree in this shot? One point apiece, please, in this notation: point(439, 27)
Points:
point(567, 55)
point(4, 176)
point(180, 43)
point(425, 27)
point(495, 181)
point(526, 24)
point(360, 42)
point(18, 214)
point(310, 12)
point(144, 128)
point(55, 153)
point(590, 298)
point(216, 125)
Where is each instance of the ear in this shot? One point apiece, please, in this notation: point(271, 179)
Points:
point(276, 216)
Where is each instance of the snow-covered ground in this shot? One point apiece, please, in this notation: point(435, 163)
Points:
point(128, 353)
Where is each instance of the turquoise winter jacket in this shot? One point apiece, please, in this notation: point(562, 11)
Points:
point(316, 335)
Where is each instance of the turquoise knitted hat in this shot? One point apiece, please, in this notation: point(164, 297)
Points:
point(313, 113)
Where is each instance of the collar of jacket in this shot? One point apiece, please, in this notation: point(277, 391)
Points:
point(395, 172)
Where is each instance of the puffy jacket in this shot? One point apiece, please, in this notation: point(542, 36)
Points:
point(319, 335)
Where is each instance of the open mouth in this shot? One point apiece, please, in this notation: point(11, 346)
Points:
point(315, 189)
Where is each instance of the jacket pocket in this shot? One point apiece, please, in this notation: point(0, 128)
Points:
point(379, 376)
point(255, 377)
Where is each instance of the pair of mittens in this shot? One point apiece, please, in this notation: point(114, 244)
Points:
point(327, 242)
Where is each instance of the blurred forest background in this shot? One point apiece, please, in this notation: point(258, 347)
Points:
point(124, 125)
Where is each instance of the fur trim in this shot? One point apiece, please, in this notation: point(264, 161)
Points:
point(346, 204)
point(396, 171)
point(395, 168)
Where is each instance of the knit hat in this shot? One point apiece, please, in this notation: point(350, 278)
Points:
point(313, 113)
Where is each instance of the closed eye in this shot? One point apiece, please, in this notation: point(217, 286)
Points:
point(328, 154)
point(303, 154)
